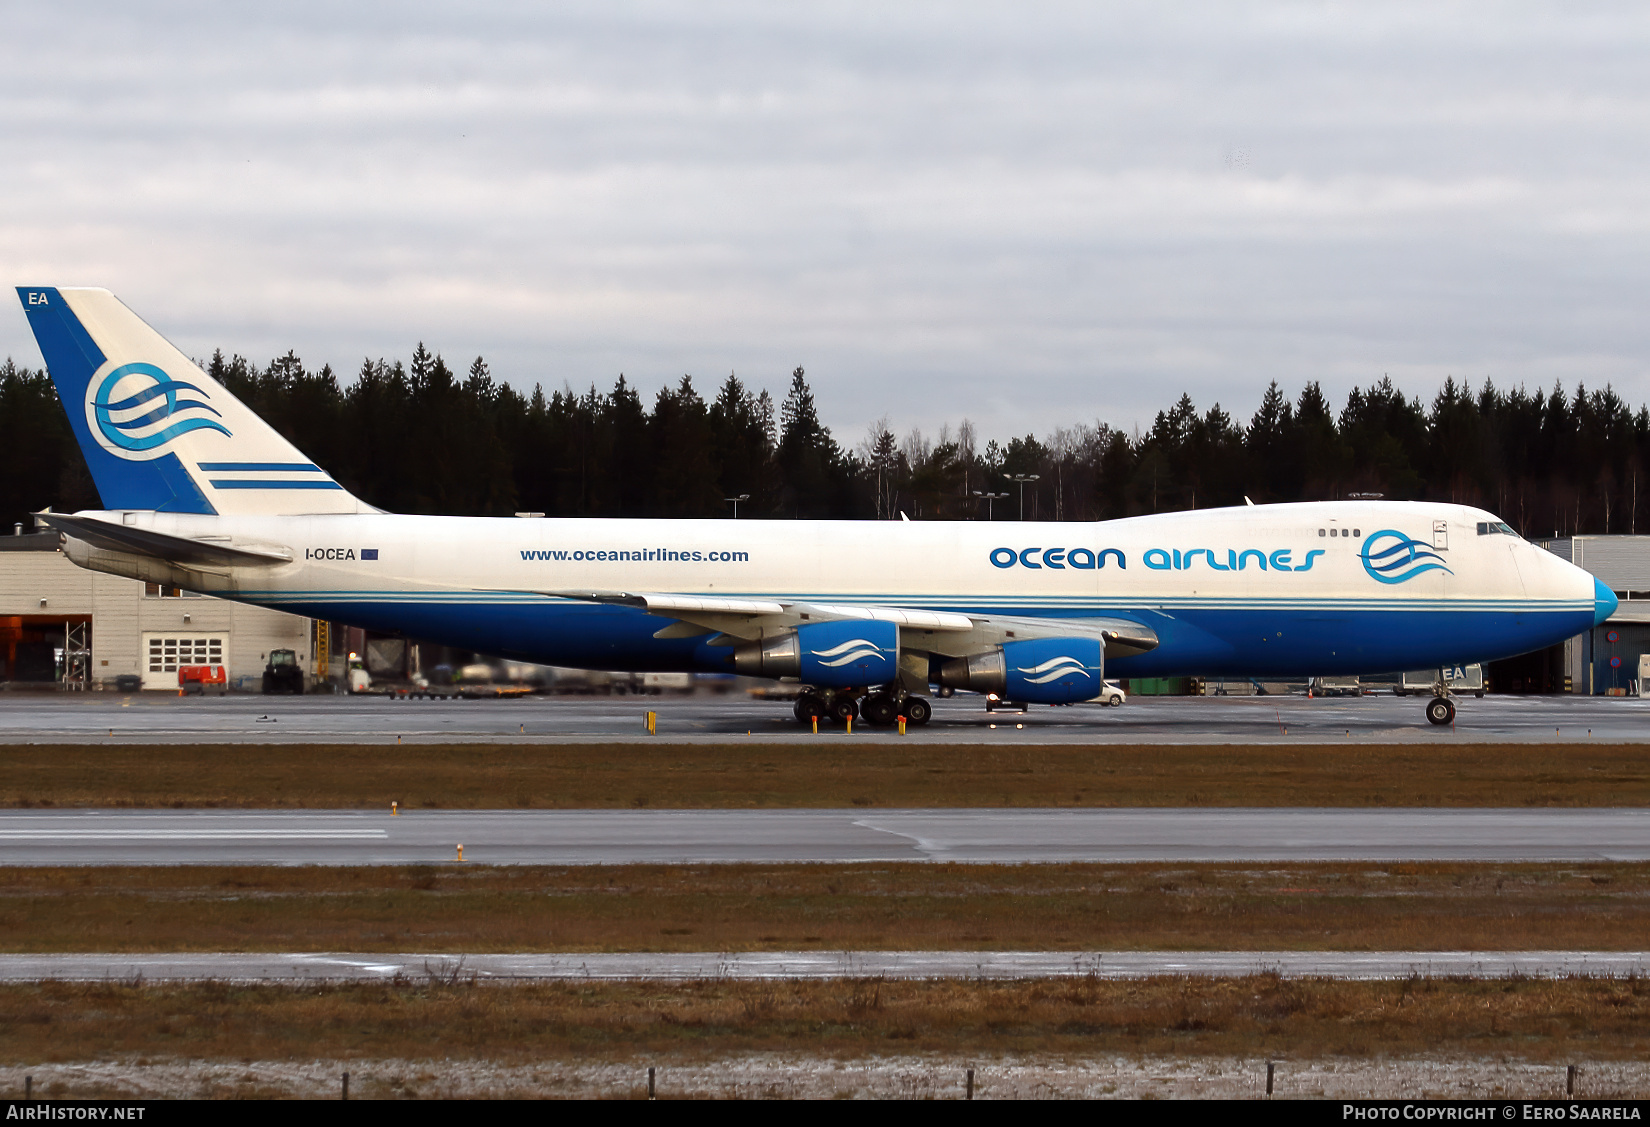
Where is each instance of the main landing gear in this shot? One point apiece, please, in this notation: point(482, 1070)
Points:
point(880, 708)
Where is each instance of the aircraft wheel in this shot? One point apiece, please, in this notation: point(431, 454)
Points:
point(809, 707)
point(879, 709)
point(1440, 710)
point(843, 708)
point(917, 711)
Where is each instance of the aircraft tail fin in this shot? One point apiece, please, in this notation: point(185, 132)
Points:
point(158, 433)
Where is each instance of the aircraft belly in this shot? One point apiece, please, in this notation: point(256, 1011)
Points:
point(1271, 641)
point(1282, 642)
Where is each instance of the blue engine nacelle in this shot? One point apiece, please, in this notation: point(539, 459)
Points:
point(852, 652)
point(1042, 670)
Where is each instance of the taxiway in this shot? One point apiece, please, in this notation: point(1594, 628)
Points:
point(140, 718)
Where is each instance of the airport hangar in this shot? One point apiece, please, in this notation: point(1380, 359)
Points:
point(87, 630)
point(81, 629)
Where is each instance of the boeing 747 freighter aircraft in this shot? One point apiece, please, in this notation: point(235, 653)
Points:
point(202, 494)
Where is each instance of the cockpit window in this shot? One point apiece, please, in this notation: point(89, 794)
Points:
point(1495, 528)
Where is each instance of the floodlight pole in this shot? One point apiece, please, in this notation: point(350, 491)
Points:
point(990, 500)
point(736, 500)
point(1022, 478)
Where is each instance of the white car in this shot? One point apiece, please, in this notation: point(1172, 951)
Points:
point(1111, 695)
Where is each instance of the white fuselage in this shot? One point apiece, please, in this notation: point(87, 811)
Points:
point(1275, 589)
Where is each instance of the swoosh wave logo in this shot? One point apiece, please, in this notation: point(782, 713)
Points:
point(844, 653)
point(1389, 556)
point(157, 403)
point(1053, 669)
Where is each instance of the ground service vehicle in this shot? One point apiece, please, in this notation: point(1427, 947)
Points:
point(360, 681)
point(867, 616)
point(283, 674)
point(198, 679)
point(1457, 679)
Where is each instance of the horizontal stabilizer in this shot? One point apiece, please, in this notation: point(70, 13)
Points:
point(159, 545)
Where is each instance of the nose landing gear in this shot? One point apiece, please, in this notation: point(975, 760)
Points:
point(1441, 711)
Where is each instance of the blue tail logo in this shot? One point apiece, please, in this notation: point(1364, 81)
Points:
point(1391, 557)
point(138, 408)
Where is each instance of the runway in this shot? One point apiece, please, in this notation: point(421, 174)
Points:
point(994, 836)
point(140, 718)
point(717, 966)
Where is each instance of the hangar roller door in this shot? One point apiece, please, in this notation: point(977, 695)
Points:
point(163, 653)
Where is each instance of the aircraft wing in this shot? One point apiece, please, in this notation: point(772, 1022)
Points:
point(943, 632)
point(160, 545)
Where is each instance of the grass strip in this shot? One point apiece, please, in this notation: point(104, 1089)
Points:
point(832, 774)
point(455, 909)
point(1262, 1016)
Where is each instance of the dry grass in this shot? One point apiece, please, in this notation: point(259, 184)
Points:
point(882, 1075)
point(456, 909)
point(887, 774)
point(1261, 1016)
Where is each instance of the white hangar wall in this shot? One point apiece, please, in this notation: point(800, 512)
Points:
point(135, 628)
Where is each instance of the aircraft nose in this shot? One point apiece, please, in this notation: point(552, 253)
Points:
point(1604, 602)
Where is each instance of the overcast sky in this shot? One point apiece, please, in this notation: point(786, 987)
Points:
point(1027, 214)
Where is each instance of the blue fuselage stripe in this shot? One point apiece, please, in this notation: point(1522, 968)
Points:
point(1230, 640)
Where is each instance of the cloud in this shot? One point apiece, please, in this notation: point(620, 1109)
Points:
point(1026, 216)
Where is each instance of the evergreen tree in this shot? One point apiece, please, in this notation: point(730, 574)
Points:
point(1273, 456)
point(684, 455)
point(413, 437)
point(741, 429)
point(808, 456)
point(1324, 458)
point(40, 462)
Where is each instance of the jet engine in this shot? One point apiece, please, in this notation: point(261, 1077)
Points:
point(851, 652)
point(1042, 670)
